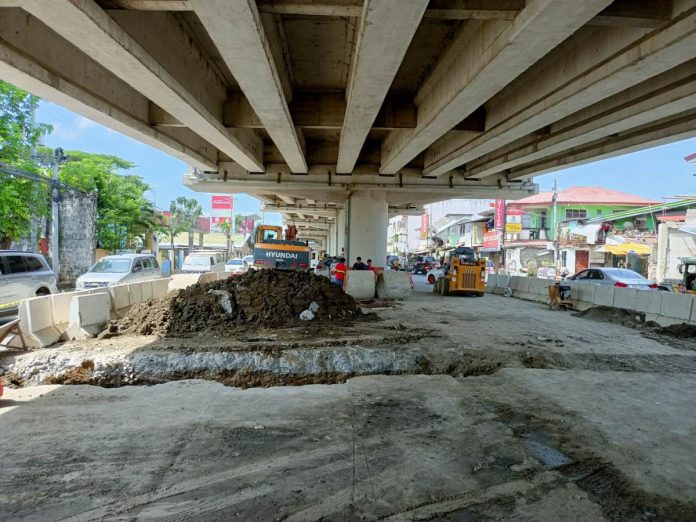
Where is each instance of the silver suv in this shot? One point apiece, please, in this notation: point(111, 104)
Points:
point(23, 275)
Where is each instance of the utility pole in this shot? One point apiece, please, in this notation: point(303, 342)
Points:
point(58, 158)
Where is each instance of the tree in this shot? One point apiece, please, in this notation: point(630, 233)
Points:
point(20, 199)
point(172, 225)
point(190, 210)
point(124, 214)
point(226, 228)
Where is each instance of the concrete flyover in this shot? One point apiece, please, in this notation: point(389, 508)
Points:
point(339, 113)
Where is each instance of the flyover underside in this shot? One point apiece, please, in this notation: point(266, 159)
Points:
point(305, 102)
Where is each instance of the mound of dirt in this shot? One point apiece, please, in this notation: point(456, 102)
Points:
point(258, 299)
point(681, 331)
point(608, 314)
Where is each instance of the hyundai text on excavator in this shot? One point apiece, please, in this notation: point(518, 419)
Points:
point(271, 250)
point(463, 274)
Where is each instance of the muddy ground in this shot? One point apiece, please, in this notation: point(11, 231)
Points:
point(445, 409)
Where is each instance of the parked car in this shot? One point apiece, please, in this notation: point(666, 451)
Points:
point(198, 264)
point(236, 267)
point(323, 267)
point(619, 277)
point(23, 275)
point(433, 274)
point(118, 269)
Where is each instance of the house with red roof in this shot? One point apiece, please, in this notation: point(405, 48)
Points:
point(533, 243)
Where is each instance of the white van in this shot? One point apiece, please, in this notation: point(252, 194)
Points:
point(201, 262)
point(119, 269)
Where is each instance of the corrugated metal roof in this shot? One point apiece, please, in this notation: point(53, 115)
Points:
point(651, 209)
point(587, 195)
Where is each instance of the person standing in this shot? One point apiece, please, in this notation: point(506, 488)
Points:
point(370, 267)
point(359, 265)
point(339, 270)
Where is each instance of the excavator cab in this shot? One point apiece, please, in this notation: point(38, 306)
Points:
point(463, 274)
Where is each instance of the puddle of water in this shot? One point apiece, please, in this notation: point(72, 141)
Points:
point(550, 457)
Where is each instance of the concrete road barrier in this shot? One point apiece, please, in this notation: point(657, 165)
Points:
point(676, 306)
point(538, 288)
point(160, 287)
point(604, 296)
point(120, 300)
point(135, 294)
point(491, 282)
point(650, 303)
point(181, 281)
point(360, 284)
point(36, 322)
point(626, 298)
point(88, 315)
point(393, 285)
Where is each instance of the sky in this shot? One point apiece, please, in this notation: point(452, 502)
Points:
point(655, 173)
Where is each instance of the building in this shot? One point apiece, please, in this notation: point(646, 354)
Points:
point(547, 225)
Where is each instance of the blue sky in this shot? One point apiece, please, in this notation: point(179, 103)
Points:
point(654, 173)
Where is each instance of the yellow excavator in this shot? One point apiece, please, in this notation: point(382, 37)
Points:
point(463, 274)
point(271, 250)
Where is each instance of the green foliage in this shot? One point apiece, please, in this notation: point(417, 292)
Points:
point(189, 211)
point(124, 215)
point(20, 199)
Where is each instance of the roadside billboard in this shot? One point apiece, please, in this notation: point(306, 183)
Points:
point(221, 212)
point(491, 240)
point(499, 219)
point(513, 221)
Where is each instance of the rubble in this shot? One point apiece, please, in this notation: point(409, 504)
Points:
point(259, 299)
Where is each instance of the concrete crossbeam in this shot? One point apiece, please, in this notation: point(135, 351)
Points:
point(481, 61)
point(653, 54)
point(95, 33)
point(385, 32)
point(658, 98)
point(238, 33)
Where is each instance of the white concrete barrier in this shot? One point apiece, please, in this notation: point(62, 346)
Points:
point(36, 321)
point(120, 299)
point(392, 284)
point(693, 311)
point(135, 294)
point(160, 287)
point(676, 306)
point(626, 298)
point(604, 296)
point(650, 302)
point(491, 282)
point(538, 288)
point(88, 315)
point(145, 290)
point(360, 284)
point(520, 287)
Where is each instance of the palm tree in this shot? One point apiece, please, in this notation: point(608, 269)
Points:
point(190, 210)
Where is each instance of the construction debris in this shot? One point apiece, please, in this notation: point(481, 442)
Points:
point(259, 299)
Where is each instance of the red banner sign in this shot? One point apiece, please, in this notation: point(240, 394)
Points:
point(491, 240)
point(499, 221)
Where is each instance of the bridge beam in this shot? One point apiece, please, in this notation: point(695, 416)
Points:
point(482, 60)
point(237, 31)
point(386, 30)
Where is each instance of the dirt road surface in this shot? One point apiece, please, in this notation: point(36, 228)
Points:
point(480, 408)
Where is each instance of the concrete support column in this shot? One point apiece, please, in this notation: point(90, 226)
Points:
point(331, 247)
point(340, 231)
point(368, 219)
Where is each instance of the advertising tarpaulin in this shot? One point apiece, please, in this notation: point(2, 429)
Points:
point(491, 240)
point(425, 225)
point(221, 211)
point(499, 218)
point(513, 220)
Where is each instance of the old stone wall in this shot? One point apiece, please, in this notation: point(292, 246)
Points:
point(78, 234)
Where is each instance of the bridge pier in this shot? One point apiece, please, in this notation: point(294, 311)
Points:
point(368, 219)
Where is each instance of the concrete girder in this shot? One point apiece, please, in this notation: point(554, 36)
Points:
point(237, 31)
point(666, 131)
point(385, 32)
point(620, 13)
point(666, 95)
point(283, 209)
point(649, 56)
point(86, 90)
point(482, 60)
point(95, 33)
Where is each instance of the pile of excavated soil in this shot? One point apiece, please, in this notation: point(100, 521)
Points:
point(259, 299)
point(682, 331)
point(608, 314)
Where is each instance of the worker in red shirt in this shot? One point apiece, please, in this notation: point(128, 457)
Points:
point(339, 271)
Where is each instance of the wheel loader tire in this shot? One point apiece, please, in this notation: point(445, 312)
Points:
point(444, 286)
point(435, 287)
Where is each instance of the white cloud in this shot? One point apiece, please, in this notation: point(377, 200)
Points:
point(82, 123)
point(63, 133)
